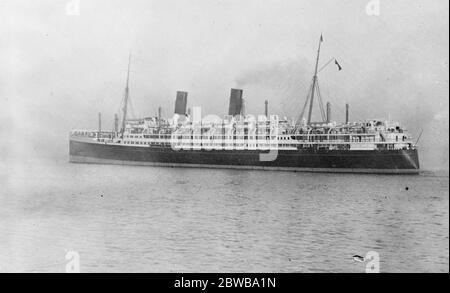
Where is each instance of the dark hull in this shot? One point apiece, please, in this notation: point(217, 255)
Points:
point(386, 161)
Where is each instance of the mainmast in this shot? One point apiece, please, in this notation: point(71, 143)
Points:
point(127, 91)
point(314, 82)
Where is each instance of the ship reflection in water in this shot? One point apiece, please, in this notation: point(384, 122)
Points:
point(140, 219)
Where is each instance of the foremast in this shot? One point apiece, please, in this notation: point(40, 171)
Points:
point(313, 89)
point(126, 97)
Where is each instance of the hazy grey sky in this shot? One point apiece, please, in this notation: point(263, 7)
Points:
point(60, 70)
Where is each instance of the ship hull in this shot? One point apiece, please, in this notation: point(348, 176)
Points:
point(339, 161)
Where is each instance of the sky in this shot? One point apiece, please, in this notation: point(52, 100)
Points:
point(64, 61)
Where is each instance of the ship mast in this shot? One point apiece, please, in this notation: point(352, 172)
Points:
point(126, 97)
point(314, 82)
point(314, 90)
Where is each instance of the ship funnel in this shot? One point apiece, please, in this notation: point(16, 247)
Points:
point(266, 109)
point(347, 106)
point(116, 123)
point(181, 103)
point(99, 125)
point(235, 102)
point(328, 112)
point(159, 113)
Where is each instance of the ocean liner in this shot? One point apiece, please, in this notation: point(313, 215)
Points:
point(242, 141)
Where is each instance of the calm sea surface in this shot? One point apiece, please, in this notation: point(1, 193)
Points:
point(144, 219)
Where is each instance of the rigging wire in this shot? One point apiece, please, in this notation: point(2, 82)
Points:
point(133, 115)
point(118, 111)
point(300, 118)
point(326, 64)
point(319, 95)
point(288, 103)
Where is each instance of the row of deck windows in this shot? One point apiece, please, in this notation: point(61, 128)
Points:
point(261, 137)
point(244, 145)
point(208, 144)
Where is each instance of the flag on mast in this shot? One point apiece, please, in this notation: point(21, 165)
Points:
point(338, 65)
point(321, 38)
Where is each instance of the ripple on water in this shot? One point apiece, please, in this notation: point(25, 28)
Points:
point(171, 220)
